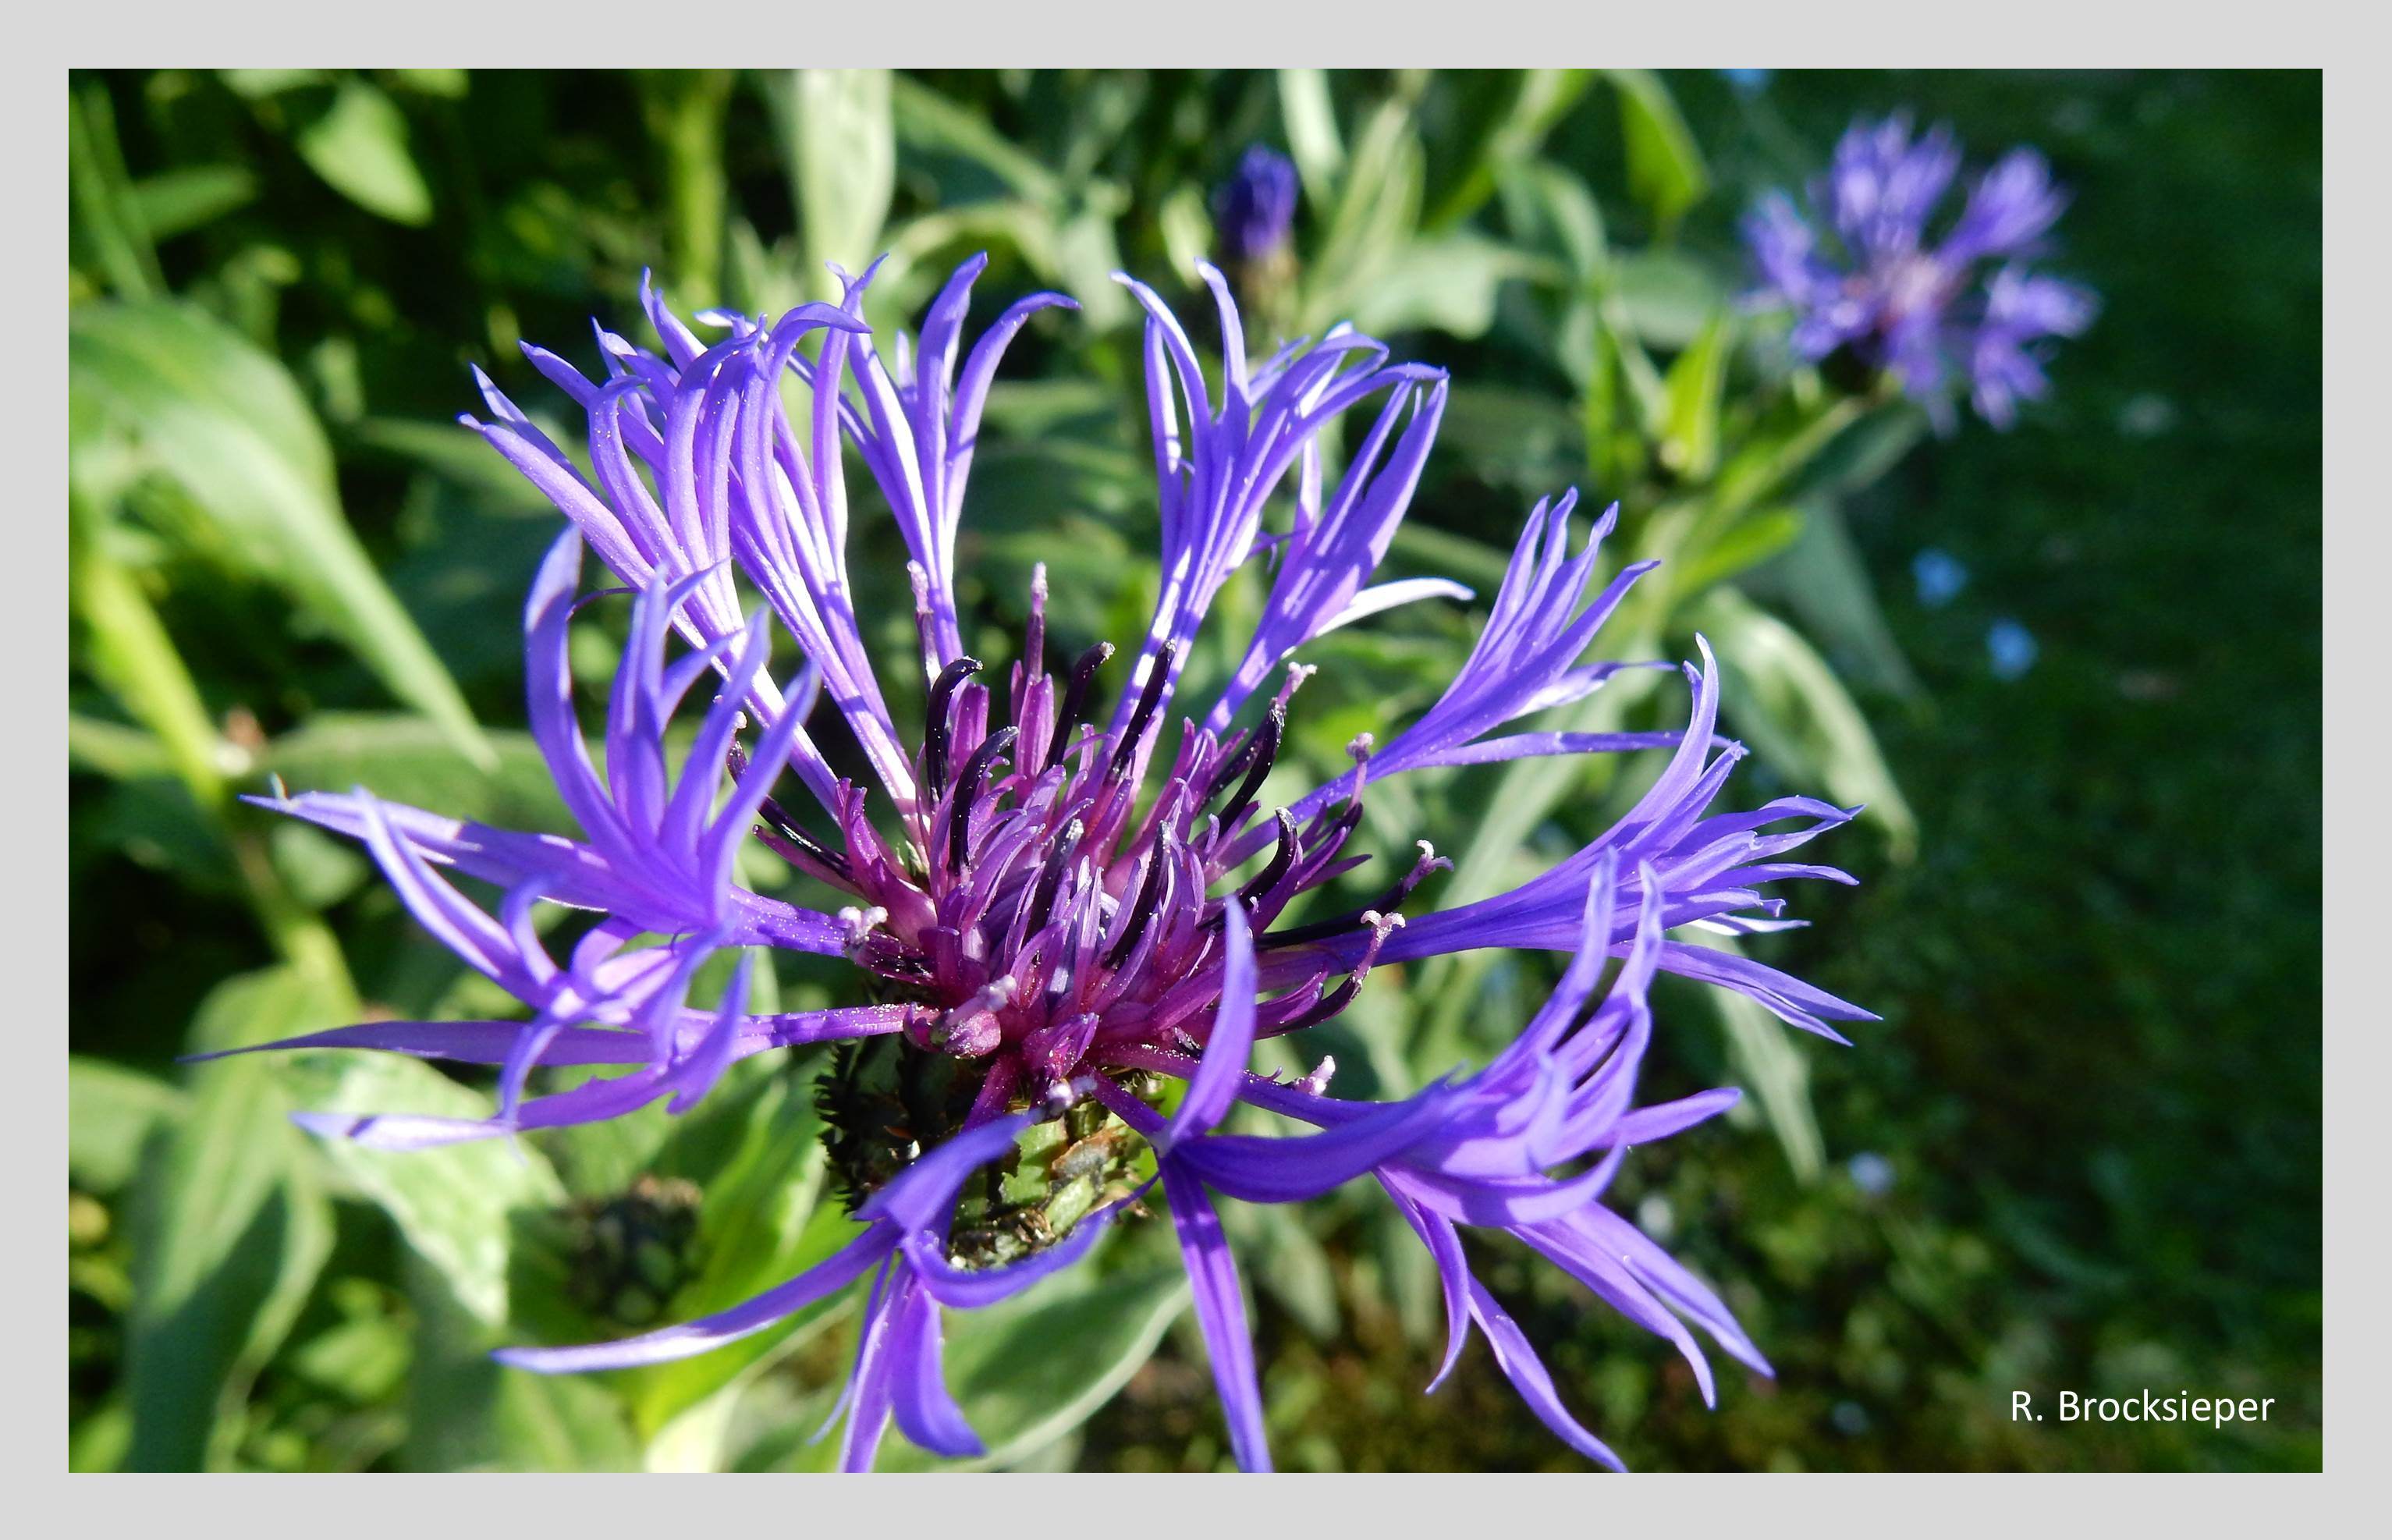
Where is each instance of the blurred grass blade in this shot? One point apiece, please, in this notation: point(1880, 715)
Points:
point(1542, 98)
point(227, 423)
point(1689, 447)
point(1782, 697)
point(1772, 1065)
point(1372, 219)
point(1822, 581)
point(842, 150)
point(1313, 142)
point(1665, 169)
point(927, 119)
point(359, 147)
point(231, 1226)
point(132, 655)
point(1747, 542)
point(107, 216)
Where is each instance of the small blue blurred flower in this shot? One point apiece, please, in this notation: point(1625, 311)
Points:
point(1940, 575)
point(1747, 83)
point(2012, 648)
point(1871, 1173)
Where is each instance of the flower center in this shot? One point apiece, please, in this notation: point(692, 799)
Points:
point(1043, 917)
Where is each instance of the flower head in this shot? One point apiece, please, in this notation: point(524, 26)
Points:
point(1890, 298)
point(1058, 907)
point(1254, 209)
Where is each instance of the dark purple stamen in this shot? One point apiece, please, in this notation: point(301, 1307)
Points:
point(967, 788)
point(1143, 911)
point(1148, 701)
point(1385, 903)
point(1075, 697)
point(1051, 878)
point(1281, 859)
point(774, 822)
point(1262, 748)
point(934, 730)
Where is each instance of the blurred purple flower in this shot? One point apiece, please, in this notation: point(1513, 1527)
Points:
point(1863, 278)
point(1254, 210)
point(1048, 925)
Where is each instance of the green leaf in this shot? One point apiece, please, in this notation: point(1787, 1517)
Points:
point(452, 1204)
point(1665, 298)
point(111, 1111)
point(105, 214)
point(1822, 579)
point(466, 1412)
point(1771, 1064)
point(1748, 543)
point(1689, 446)
point(1665, 169)
point(1448, 284)
point(410, 759)
point(842, 155)
point(186, 198)
point(1313, 142)
point(1549, 207)
point(1029, 1370)
point(225, 421)
point(1541, 100)
point(1373, 218)
point(359, 146)
point(1781, 695)
point(230, 1228)
point(761, 1222)
point(927, 119)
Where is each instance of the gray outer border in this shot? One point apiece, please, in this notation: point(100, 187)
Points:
point(1500, 33)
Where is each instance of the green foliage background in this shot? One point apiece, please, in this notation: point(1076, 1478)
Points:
point(2089, 891)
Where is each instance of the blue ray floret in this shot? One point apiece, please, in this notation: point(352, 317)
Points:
point(1058, 908)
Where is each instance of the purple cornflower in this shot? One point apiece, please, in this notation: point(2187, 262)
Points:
point(1891, 299)
point(1060, 919)
point(1256, 208)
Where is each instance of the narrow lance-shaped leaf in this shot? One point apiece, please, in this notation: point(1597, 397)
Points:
point(226, 421)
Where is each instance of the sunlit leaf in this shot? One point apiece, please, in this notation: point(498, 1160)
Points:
point(230, 1228)
point(227, 423)
point(110, 1113)
point(1782, 697)
point(359, 146)
point(453, 1203)
point(1665, 169)
point(185, 198)
point(841, 150)
point(1690, 437)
